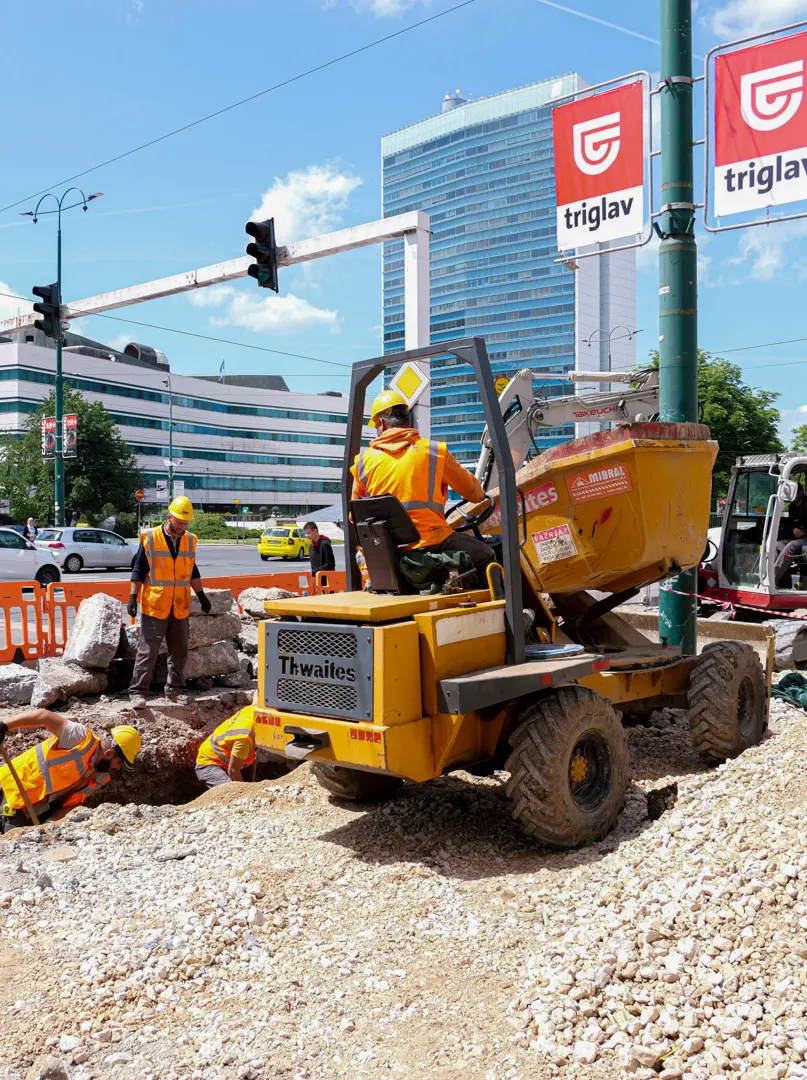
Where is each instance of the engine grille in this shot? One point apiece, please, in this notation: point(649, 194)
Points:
point(316, 643)
point(320, 668)
point(317, 697)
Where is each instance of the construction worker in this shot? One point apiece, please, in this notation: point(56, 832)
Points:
point(163, 573)
point(419, 473)
point(227, 751)
point(60, 773)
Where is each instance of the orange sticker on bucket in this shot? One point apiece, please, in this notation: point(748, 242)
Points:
point(599, 483)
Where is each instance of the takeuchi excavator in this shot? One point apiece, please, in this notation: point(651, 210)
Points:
point(387, 685)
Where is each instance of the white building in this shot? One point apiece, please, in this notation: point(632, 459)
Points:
point(233, 440)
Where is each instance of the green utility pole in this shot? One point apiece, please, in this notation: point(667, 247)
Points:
point(678, 276)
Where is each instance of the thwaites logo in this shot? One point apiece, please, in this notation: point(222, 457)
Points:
point(327, 669)
point(599, 167)
point(537, 498)
point(760, 126)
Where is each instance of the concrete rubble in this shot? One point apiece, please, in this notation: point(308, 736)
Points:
point(57, 680)
point(16, 684)
point(95, 633)
point(252, 600)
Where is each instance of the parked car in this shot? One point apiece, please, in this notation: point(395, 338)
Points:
point(285, 541)
point(22, 561)
point(75, 548)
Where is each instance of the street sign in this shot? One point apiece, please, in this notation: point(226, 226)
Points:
point(140, 495)
point(237, 502)
point(179, 487)
point(162, 487)
point(5, 506)
point(70, 441)
point(599, 167)
point(410, 380)
point(48, 436)
point(244, 509)
point(501, 384)
point(760, 126)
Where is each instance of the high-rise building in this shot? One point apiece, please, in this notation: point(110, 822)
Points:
point(483, 171)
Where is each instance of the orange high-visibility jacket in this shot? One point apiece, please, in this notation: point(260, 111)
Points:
point(415, 477)
point(46, 770)
point(218, 746)
point(168, 585)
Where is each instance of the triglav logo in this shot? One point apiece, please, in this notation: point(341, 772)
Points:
point(596, 143)
point(771, 97)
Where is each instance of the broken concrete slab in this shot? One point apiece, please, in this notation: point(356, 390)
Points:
point(207, 629)
point(57, 680)
point(212, 660)
point(16, 684)
point(95, 634)
point(234, 679)
point(221, 601)
point(252, 600)
point(247, 639)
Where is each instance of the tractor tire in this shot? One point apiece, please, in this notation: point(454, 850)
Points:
point(354, 785)
point(568, 768)
point(727, 701)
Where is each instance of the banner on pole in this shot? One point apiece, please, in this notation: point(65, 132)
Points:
point(599, 167)
point(179, 488)
point(70, 442)
point(760, 126)
point(48, 436)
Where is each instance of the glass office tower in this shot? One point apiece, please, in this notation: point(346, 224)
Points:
point(483, 171)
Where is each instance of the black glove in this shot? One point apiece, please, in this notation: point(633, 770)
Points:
point(131, 607)
point(204, 602)
point(3, 732)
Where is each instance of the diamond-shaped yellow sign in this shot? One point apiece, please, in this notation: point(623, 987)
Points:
point(410, 381)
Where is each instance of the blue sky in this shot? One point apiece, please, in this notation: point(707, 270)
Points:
point(120, 72)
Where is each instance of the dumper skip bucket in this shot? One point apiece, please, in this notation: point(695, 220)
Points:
point(617, 509)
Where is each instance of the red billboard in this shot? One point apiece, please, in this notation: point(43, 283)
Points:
point(599, 167)
point(760, 126)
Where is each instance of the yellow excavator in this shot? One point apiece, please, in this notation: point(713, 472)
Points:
point(530, 671)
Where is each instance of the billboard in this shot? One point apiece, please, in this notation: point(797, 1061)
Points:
point(760, 126)
point(599, 167)
point(48, 436)
point(70, 435)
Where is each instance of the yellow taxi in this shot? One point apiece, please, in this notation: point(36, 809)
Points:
point(285, 542)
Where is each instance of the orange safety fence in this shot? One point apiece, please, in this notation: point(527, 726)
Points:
point(35, 622)
point(23, 630)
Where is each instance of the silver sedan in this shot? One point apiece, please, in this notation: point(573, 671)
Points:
point(77, 547)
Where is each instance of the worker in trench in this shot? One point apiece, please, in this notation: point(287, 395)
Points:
point(163, 573)
point(227, 751)
point(419, 473)
point(59, 774)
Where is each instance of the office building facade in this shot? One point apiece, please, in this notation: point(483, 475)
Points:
point(483, 171)
point(233, 440)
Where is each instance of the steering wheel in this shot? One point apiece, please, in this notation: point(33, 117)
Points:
point(471, 521)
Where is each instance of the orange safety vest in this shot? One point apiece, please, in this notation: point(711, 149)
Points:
point(46, 770)
point(415, 477)
point(217, 747)
point(168, 585)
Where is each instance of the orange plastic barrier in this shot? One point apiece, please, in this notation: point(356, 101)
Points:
point(23, 631)
point(330, 581)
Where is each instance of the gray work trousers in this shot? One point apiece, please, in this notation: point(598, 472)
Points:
point(212, 775)
point(152, 631)
point(480, 553)
point(786, 554)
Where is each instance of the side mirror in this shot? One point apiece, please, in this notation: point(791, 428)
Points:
point(788, 490)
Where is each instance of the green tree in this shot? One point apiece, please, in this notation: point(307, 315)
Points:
point(798, 440)
point(743, 419)
point(104, 470)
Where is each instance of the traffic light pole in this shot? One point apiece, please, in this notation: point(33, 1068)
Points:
point(58, 465)
point(678, 278)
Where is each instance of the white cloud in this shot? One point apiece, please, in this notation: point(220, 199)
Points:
point(277, 314)
point(11, 308)
point(386, 7)
point(765, 248)
point(740, 17)
point(307, 202)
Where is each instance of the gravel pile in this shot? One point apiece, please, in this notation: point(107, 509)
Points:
point(267, 931)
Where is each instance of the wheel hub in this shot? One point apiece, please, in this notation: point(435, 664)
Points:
point(590, 771)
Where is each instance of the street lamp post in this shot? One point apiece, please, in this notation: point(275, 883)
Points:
point(59, 459)
point(631, 334)
point(167, 382)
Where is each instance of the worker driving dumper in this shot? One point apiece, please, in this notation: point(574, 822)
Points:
point(418, 472)
point(57, 775)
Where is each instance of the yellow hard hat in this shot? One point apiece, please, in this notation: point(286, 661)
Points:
point(181, 508)
point(128, 742)
point(387, 399)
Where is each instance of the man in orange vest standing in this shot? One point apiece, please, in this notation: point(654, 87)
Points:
point(60, 773)
point(419, 473)
point(227, 751)
point(164, 572)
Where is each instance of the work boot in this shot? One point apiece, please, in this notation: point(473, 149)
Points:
point(137, 701)
point(172, 694)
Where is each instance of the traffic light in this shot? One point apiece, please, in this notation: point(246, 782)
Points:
point(50, 323)
point(264, 250)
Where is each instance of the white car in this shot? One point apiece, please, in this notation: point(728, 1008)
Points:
point(98, 549)
point(22, 561)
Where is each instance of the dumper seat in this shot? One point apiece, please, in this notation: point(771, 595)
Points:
point(384, 528)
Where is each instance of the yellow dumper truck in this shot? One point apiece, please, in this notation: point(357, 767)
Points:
point(380, 687)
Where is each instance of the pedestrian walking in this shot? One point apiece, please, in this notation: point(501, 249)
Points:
point(163, 575)
point(30, 532)
point(322, 557)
